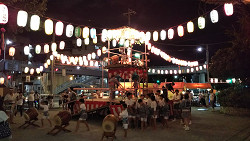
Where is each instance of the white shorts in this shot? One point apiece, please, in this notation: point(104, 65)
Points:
point(165, 117)
point(45, 117)
point(130, 116)
point(154, 116)
point(144, 119)
point(125, 126)
point(81, 119)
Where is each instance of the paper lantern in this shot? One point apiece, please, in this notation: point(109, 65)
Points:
point(179, 71)
point(49, 26)
point(95, 40)
point(155, 36)
point(62, 45)
point(197, 68)
point(34, 22)
point(163, 35)
point(12, 51)
point(32, 71)
point(190, 27)
point(45, 65)
point(38, 70)
point(1, 80)
point(3, 14)
point(38, 49)
point(59, 28)
point(149, 46)
point(187, 70)
point(180, 30)
point(79, 42)
point(171, 71)
point(110, 34)
point(166, 71)
point(148, 35)
point(93, 33)
point(85, 32)
point(26, 50)
point(126, 44)
point(200, 67)
point(89, 56)
point(26, 70)
point(91, 63)
point(53, 47)
point(214, 16)
point(48, 61)
point(201, 22)
point(99, 52)
point(114, 43)
point(104, 35)
point(84, 58)
point(78, 31)
point(86, 41)
point(69, 30)
point(51, 57)
point(229, 9)
point(170, 33)
point(41, 68)
point(46, 48)
point(104, 50)
point(153, 70)
point(86, 63)
point(22, 18)
point(121, 42)
point(93, 55)
point(96, 64)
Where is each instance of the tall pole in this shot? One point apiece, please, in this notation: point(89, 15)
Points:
point(207, 60)
point(52, 68)
point(108, 51)
point(129, 13)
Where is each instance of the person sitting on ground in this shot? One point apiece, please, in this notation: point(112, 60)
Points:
point(124, 116)
point(45, 106)
point(143, 113)
point(83, 115)
point(186, 112)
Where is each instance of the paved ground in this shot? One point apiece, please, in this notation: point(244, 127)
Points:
point(206, 126)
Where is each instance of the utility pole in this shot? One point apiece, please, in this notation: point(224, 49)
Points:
point(207, 60)
point(129, 13)
point(52, 68)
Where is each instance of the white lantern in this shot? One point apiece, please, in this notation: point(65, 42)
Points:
point(38, 49)
point(121, 42)
point(48, 62)
point(190, 27)
point(155, 36)
point(62, 45)
point(3, 14)
point(149, 46)
point(41, 68)
point(32, 71)
point(26, 70)
point(179, 71)
point(114, 43)
point(86, 63)
point(26, 50)
point(197, 68)
point(170, 33)
point(79, 42)
point(180, 30)
point(126, 44)
point(59, 28)
point(163, 35)
point(153, 70)
point(51, 57)
point(86, 41)
point(46, 48)
point(91, 63)
point(214, 16)
point(84, 58)
point(104, 50)
point(166, 71)
point(93, 55)
point(187, 70)
point(12, 51)
point(53, 47)
point(38, 70)
point(46, 65)
point(99, 52)
point(148, 35)
point(229, 9)
point(1, 80)
point(104, 35)
point(93, 33)
point(34, 22)
point(200, 67)
point(201, 22)
point(95, 40)
point(49, 26)
point(85, 32)
point(22, 18)
point(171, 71)
point(89, 56)
point(69, 30)
point(96, 64)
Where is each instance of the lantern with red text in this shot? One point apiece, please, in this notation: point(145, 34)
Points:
point(3, 14)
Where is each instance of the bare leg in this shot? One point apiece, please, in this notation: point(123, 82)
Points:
point(85, 122)
point(50, 123)
point(42, 122)
point(154, 123)
point(125, 133)
point(77, 125)
point(142, 125)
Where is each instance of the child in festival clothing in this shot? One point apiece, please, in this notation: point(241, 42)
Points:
point(124, 116)
point(153, 107)
point(131, 109)
point(143, 112)
point(186, 111)
point(45, 107)
point(83, 115)
point(164, 112)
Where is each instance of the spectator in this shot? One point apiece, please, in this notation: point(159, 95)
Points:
point(5, 130)
point(31, 99)
point(10, 104)
point(186, 111)
point(20, 99)
point(37, 100)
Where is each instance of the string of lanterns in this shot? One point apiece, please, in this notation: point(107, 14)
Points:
point(33, 70)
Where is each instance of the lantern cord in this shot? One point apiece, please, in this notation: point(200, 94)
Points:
point(190, 45)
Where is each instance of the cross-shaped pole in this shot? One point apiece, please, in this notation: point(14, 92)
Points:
point(129, 13)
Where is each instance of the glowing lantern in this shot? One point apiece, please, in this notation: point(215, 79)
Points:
point(86, 63)
point(49, 26)
point(84, 58)
point(170, 33)
point(163, 35)
point(1, 80)
point(126, 44)
point(192, 69)
point(200, 67)
point(53, 47)
point(171, 71)
point(110, 34)
point(229, 9)
point(78, 31)
point(149, 46)
point(180, 30)
point(104, 35)
point(41, 68)
point(26, 70)
point(38, 49)
point(79, 42)
point(187, 70)
point(26, 50)
point(93, 55)
point(190, 27)
point(85, 32)
point(93, 33)
point(86, 41)
point(148, 35)
point(59, 28)
point(62, 45)
point(91, 63)
point(114, 43)
point(99, 52)
point(104, 50)
point(69, 30)
point(3, 14)
point(46, 48)
point(38, 70)
point(51, 57)
point(22, 17)
point(166, 71)
point(32, 71)
point(95, 40)
point(201, 22)
point(155, 36)
point(214, 16)
point(34, 22)
point(121, 42)
point(197, 68)
point(89, 56)
point(179, 71)
point(48, 61)
point(153, 70)
point(45, 65)
point(96, 64)
point(12, 51)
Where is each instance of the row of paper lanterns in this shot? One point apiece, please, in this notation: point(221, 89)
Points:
point(33, 70)
point(188, 70)
point(166, 57)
